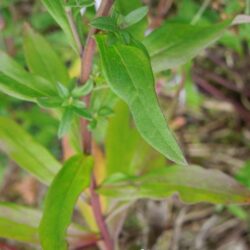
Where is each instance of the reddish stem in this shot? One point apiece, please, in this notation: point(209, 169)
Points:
point(87, 62)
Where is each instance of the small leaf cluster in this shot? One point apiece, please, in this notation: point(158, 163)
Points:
point(116, 24)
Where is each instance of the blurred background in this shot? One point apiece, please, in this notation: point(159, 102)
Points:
point(207, 102)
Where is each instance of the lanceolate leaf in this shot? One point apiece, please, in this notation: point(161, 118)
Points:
point(19, 223)
point(128, 71)
point(193, 184)
point(26, 152)
point(57, 11)
point(136, 15)
point(176, 43)
point(62, 195)
point(17, 82)
point(42, 59)
point(126, 7)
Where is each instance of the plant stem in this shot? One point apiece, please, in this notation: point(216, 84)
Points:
point(87, 62)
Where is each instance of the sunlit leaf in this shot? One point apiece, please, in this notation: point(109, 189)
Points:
point(128, 71)
point(62, 195)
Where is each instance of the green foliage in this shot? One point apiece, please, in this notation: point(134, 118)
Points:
point(57, 11)
point(19, 223)
point(174, 44)
point(62, 195)
point(42, 60)
point(121, 141)
point(135, 85)
point(16, 82)
point(189, 183)
point(131, 169)
point(26, 152)
point(135, 16)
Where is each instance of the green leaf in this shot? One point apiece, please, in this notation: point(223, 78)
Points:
point(84, 112)
point(19, 223)
point(49, 102)
point(174, 44)
point(105, 23)
point(121, 141)
point(42, 59)
point(56, 10)
point(128, 72)
point(126, 7)
point(63, 92)
point(193, 184)
point(66, 121)
point(26, 152)
point(17, 82)
point(62, 195)
point(83, 90)
point(135, 16)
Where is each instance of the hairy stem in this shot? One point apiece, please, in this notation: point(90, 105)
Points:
point(87, 63)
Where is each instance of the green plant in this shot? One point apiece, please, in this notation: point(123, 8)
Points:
point(125, 80)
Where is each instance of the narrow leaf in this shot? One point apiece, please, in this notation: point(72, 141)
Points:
point(57, 11)
point(42, 59)
point(19, 223)
point(193, 184)
point(128, 72)
point(49, 102)
point(65, 122)
point(17, 82)
point(174, 43)
point(26, 152)
point(136, 16)
point(83, 90)
point(62, 195)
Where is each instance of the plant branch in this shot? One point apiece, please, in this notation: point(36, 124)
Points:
point(86, 68)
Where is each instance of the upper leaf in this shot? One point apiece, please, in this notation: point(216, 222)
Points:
point(193, 184)
point(128, 71)
point(106, 23)
point(176, 43)
point(26, 152)
point(42, 59)
point(62, 195)
point(17, 82)
point(57, 11)
point(135, 16)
